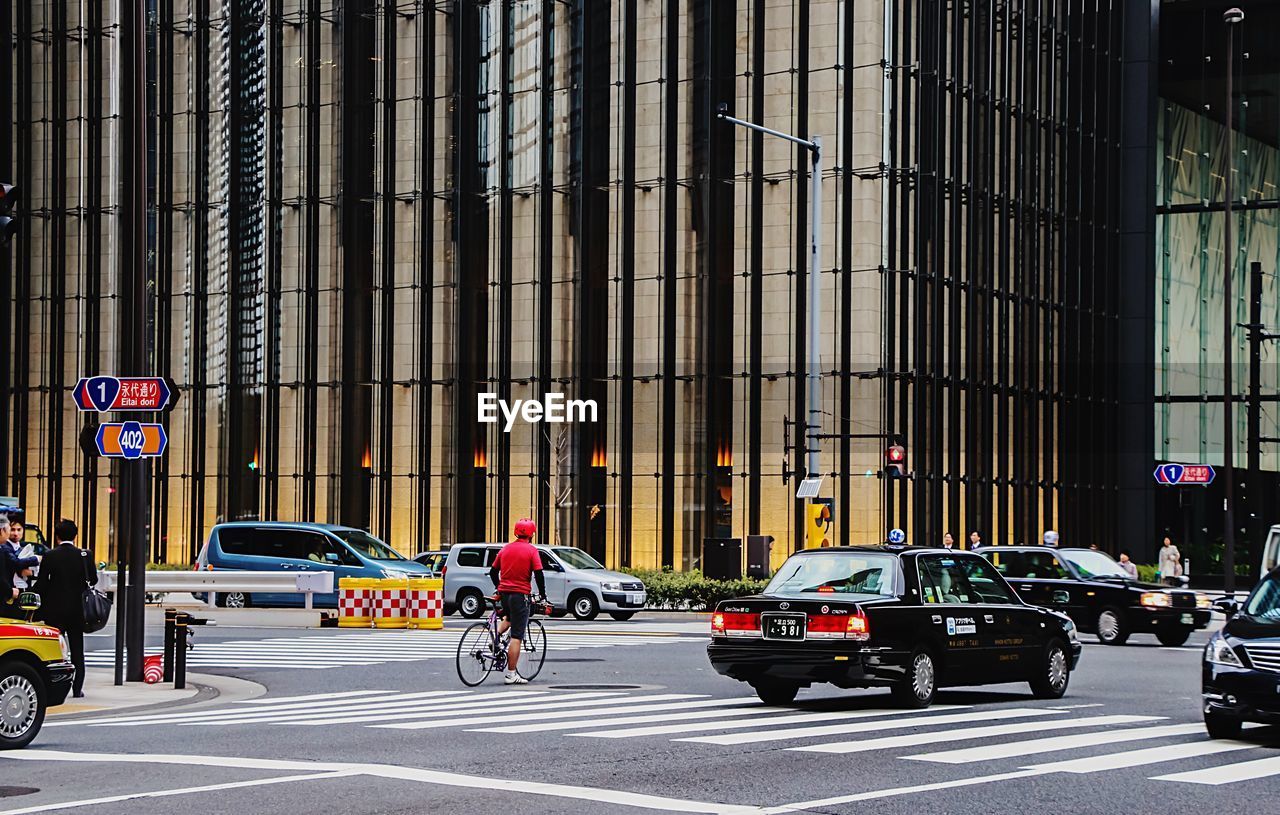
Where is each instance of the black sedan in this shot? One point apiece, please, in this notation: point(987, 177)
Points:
point(911, 619)
point(1097, 594)
point(1241, 675)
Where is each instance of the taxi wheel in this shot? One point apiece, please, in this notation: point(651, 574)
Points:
point(1222, 727)
point(918, 686)
point(777, 693)
point(22, 705)
point(1173, 637)
point(470, 604)
point(1054, 672)
point(1112, 629)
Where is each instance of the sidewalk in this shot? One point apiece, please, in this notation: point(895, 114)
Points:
point(102, 695)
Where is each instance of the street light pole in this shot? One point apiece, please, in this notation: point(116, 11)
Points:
point(814, 146)
point(1231, 17)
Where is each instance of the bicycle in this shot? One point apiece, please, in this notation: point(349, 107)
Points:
point(481, 650)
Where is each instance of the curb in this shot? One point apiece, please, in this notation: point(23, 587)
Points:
point(210, 688)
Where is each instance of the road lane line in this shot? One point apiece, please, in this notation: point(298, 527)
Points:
point(393, 711)
point(553, 704)
point(395, 772)
point(312, 697)
point(158, 718)
point(1145, 756)
point(792, 718)
point(133, 796)
point(752, 707)
point(967, 733)
point(1228, 774)
point(995, 752)
point(911, 719)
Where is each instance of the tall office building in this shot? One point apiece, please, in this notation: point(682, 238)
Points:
point(368, 213)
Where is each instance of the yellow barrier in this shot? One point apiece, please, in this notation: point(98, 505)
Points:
point(426, 603)
point(355, 602)
point(389, 603)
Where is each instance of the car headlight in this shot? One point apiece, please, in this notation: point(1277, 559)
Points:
point(66, 649)
point(1220, 652)
point(394, 574)
point(1156, 599)
point(611, 586)
point(1204, 601)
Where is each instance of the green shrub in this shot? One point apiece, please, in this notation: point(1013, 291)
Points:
point(1147, 572)
point(691, 591)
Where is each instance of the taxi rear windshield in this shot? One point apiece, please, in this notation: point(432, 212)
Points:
point(867, 574)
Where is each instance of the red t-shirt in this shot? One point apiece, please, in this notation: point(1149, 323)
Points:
point(516, 562)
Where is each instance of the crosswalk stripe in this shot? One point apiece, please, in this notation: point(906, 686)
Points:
point(908, 718)
point(447, 709)
point(161, 718)
point(965, 734)
point(746, 707)
point(792, 717)
point(1140, 758)
point(429, 720)
point(994, 752)
point(1229, 774)
point(312, 697)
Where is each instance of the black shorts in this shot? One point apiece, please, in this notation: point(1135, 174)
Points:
point(516, 607)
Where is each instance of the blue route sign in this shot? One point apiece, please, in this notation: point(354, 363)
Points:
point(130, 440)
point(1184, 475)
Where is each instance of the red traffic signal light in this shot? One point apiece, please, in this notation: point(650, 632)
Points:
point(895, 461)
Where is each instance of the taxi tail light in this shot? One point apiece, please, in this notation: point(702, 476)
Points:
point(826, 627)
point(735, 624)
point(858, 627)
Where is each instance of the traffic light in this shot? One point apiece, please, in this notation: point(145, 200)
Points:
point(895, 462)
point(8, 223)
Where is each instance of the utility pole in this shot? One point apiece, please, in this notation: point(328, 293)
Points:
point(814, 145)
point(1231, 17)
point(134, 306)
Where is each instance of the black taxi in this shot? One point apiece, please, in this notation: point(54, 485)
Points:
point(1098, 595)
point(912, 619)
point(1241, 670)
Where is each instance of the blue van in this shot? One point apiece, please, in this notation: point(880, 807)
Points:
point(256, 546)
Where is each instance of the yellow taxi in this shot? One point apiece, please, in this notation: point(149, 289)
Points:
point(35, 674)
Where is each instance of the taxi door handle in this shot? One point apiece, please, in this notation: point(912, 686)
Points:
point(1025, 588)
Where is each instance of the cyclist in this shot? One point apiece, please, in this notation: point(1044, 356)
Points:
point(512, 569)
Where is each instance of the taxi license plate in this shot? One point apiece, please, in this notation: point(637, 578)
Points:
point(1187, 619)
point(777, 627)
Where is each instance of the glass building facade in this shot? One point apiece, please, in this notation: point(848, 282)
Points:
point(367, 213)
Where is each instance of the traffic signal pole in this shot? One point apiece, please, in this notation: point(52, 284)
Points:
point(1231, 17)
point(134, 306)
point(814, 146)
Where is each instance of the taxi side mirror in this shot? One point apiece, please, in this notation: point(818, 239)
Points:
point(1226, 606)
point(29, 601)
point(1061, 597)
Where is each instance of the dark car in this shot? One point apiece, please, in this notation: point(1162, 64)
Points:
point(911, 619)
point(1241, 675)
point(1097, 594)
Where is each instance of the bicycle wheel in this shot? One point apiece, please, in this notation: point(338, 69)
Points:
point(475, 655)
point(533, 650)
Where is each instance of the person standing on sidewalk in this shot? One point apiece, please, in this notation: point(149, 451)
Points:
point(11, 567)
point(66, 572)
point(1170, 563)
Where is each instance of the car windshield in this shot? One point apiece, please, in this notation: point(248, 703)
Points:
point(837, 573)
point(1265, 600)
point(1093, 564)
point(368, 545)
point(577, 558)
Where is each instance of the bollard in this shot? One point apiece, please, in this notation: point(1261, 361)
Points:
point(426, 602)
point(182, 624)
point(355, 601)
point(390, 599)
point(170, 630)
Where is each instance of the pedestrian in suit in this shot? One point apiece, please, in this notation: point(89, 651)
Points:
point(66, 572)
point(11, 566)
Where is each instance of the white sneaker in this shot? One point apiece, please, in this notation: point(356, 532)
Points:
point(515, 679)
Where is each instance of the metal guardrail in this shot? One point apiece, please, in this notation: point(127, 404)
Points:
point(223, 581)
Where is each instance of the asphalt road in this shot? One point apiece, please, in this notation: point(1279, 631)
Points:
point(628, 717)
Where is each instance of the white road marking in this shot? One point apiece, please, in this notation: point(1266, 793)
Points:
point(795, 718)
point(967, 733)
point(870, 727)
point(391, 771)
point(1146, 756)
point(395, 711)
point(451, 719)
point(750, 707)
point(313, 697)
point(230, 785)
point(1229, 774)
point(996, 752)
point(871, 795)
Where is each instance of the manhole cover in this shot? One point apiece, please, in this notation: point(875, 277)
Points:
point(595, 687)
point(9, 792)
